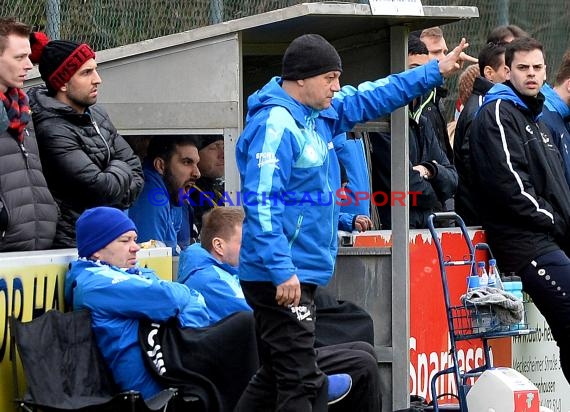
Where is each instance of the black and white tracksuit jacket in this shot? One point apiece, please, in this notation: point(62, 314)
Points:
point(520, 189)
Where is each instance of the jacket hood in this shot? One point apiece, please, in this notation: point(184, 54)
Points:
point(502, 91)
point(272, 94)
point(196, 258)
point(505, 91)
point(75, 269)
point(481, 85)
point(554, 102)
point(44, 106)
point(155, 179)
point(80, 264)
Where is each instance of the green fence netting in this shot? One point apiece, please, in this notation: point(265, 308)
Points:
point(110, 23)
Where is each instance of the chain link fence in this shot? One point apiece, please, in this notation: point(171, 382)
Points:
point(111, 23)
point(546, 20)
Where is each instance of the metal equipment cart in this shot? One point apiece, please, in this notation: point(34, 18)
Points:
point(461, 319)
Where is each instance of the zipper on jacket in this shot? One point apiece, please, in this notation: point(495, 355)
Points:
point(297, 230)
point(335, 224)
point(24, 153)
point(416, 115)
point(102, 138)
point(4, 208)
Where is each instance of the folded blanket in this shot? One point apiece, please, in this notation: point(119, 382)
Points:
point(508, 308)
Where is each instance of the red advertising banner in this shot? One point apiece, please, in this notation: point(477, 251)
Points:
point(429, 336)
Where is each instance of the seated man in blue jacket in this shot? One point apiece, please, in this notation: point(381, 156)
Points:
point(211, 269)
point(161, 212)
point(123, 297)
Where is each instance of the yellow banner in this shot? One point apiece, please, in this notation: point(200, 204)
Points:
point(31, 283)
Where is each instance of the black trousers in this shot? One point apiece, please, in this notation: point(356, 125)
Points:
point(355, 358)
point(285, 339)
point(547, 281)
point(358, 359)
point(214, 363)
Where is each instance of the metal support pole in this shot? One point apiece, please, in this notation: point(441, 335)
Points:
point(400, 233)
point(217, 11)
point(503, 12)
point(53, 17)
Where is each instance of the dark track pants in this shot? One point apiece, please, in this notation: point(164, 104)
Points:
point(355, 358)
point(547, 281)
point(285, 338)
point(358, 359)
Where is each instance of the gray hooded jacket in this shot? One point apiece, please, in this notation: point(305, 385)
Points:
point(28, 213)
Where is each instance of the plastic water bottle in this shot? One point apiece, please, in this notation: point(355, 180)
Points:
point(513, 285)
point(473, 285)
point(472, 282)
point(482, 273)
point(494, 276)
point(481, 317)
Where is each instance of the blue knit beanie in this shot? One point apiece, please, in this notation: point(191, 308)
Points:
point(98, 227)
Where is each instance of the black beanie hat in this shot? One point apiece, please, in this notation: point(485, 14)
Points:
point(60, 60)
point(206, 140)
point(309, 55)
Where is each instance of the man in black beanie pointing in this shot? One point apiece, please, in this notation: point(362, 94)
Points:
point(286, 158)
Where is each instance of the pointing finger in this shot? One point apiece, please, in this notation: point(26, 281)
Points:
point(460, 47)
point(467, 58)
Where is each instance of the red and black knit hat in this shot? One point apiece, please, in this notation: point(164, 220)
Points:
point(58, 60)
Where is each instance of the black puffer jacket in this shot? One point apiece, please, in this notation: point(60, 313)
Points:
point(86, 162)
point(464, 203)
point(430, 194)
point(28, 213)
point(431, 107)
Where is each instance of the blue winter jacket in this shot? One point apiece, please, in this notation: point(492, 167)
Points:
point(289, 173)
point(156, 217)
point(346, 221)
point(556, 115)
point(352, 155)
point(216, 281)
point(117, 300)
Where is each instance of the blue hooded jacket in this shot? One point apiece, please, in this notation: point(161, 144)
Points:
point(352, 155)
point(556, 115)
point(290, 173)
point(156, 217)
point(216, 281)
point(504, 92)
point(117, 299)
